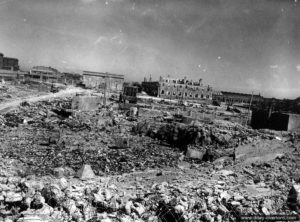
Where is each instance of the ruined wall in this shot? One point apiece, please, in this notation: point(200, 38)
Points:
point(231, 97)
point(100, 82)
point(294, 123)
point(278, 121)
point(86, 103)
point(115, 85)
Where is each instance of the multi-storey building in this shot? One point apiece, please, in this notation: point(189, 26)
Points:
point(46, 74)
point(171, 88)
point(9, 63)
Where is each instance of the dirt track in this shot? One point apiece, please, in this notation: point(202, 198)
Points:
point(7, 106)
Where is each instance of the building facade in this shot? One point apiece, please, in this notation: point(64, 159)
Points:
point(8, 63)
point(44, 74)
point(10, 75)
point(105, 81)
point(170, 88)
point(129, 94)
point(232, 97)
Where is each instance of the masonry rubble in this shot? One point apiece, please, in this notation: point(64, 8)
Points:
point(59, 164)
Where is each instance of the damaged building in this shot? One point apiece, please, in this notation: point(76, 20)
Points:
point(171, 88)
point(10, 70)
point(233, 97)
point(107, 81)
point(44, 74)
point(71, 78)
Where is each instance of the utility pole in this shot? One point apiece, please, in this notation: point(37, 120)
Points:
point(105, 85)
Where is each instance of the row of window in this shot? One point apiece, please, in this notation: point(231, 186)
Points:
point(184, 94)
point(187, 86)
point(178, 81)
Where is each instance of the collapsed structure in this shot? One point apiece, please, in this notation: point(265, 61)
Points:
point(154, 167)
point(44, 74)
point(105, 81)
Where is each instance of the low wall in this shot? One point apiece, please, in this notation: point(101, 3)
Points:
point(294, 123)
point(87, 103)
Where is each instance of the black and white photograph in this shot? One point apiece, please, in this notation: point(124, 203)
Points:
point(149, 110)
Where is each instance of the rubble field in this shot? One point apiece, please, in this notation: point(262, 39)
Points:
point(62, 164)
point(10, 91)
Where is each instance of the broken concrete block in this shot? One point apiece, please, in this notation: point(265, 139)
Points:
point(12, 197)
point(31, 218)
point(86, 172)
point(59, 172)
point(224, 195)
point(265, 211)
point(194, 154)
point(222, 209)
point(128, 207)
point(121, 142)
point(225, 172)
point(250, 172)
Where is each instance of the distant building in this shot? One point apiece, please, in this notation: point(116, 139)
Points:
point(10, 75)
point(71, 78)
point(105, 81)
point(45, 74)
point(150, 87)
point(233, 97)
point(129, 93)
point(9, 63)
point(171, 88)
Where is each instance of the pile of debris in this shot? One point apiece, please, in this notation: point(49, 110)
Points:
point(221, 195)
point(48, 134)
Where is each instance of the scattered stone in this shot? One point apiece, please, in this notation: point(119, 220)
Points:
point(222, 209)
point(12, 197)
point(86, 172)
point(250, 172)
point(194, 154)
point(225, 172)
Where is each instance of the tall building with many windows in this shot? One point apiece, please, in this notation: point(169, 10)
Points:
point(171, 88)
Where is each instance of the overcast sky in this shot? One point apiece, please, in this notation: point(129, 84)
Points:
point(237, 45)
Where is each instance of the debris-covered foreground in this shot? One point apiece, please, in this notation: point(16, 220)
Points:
point(163, 171)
